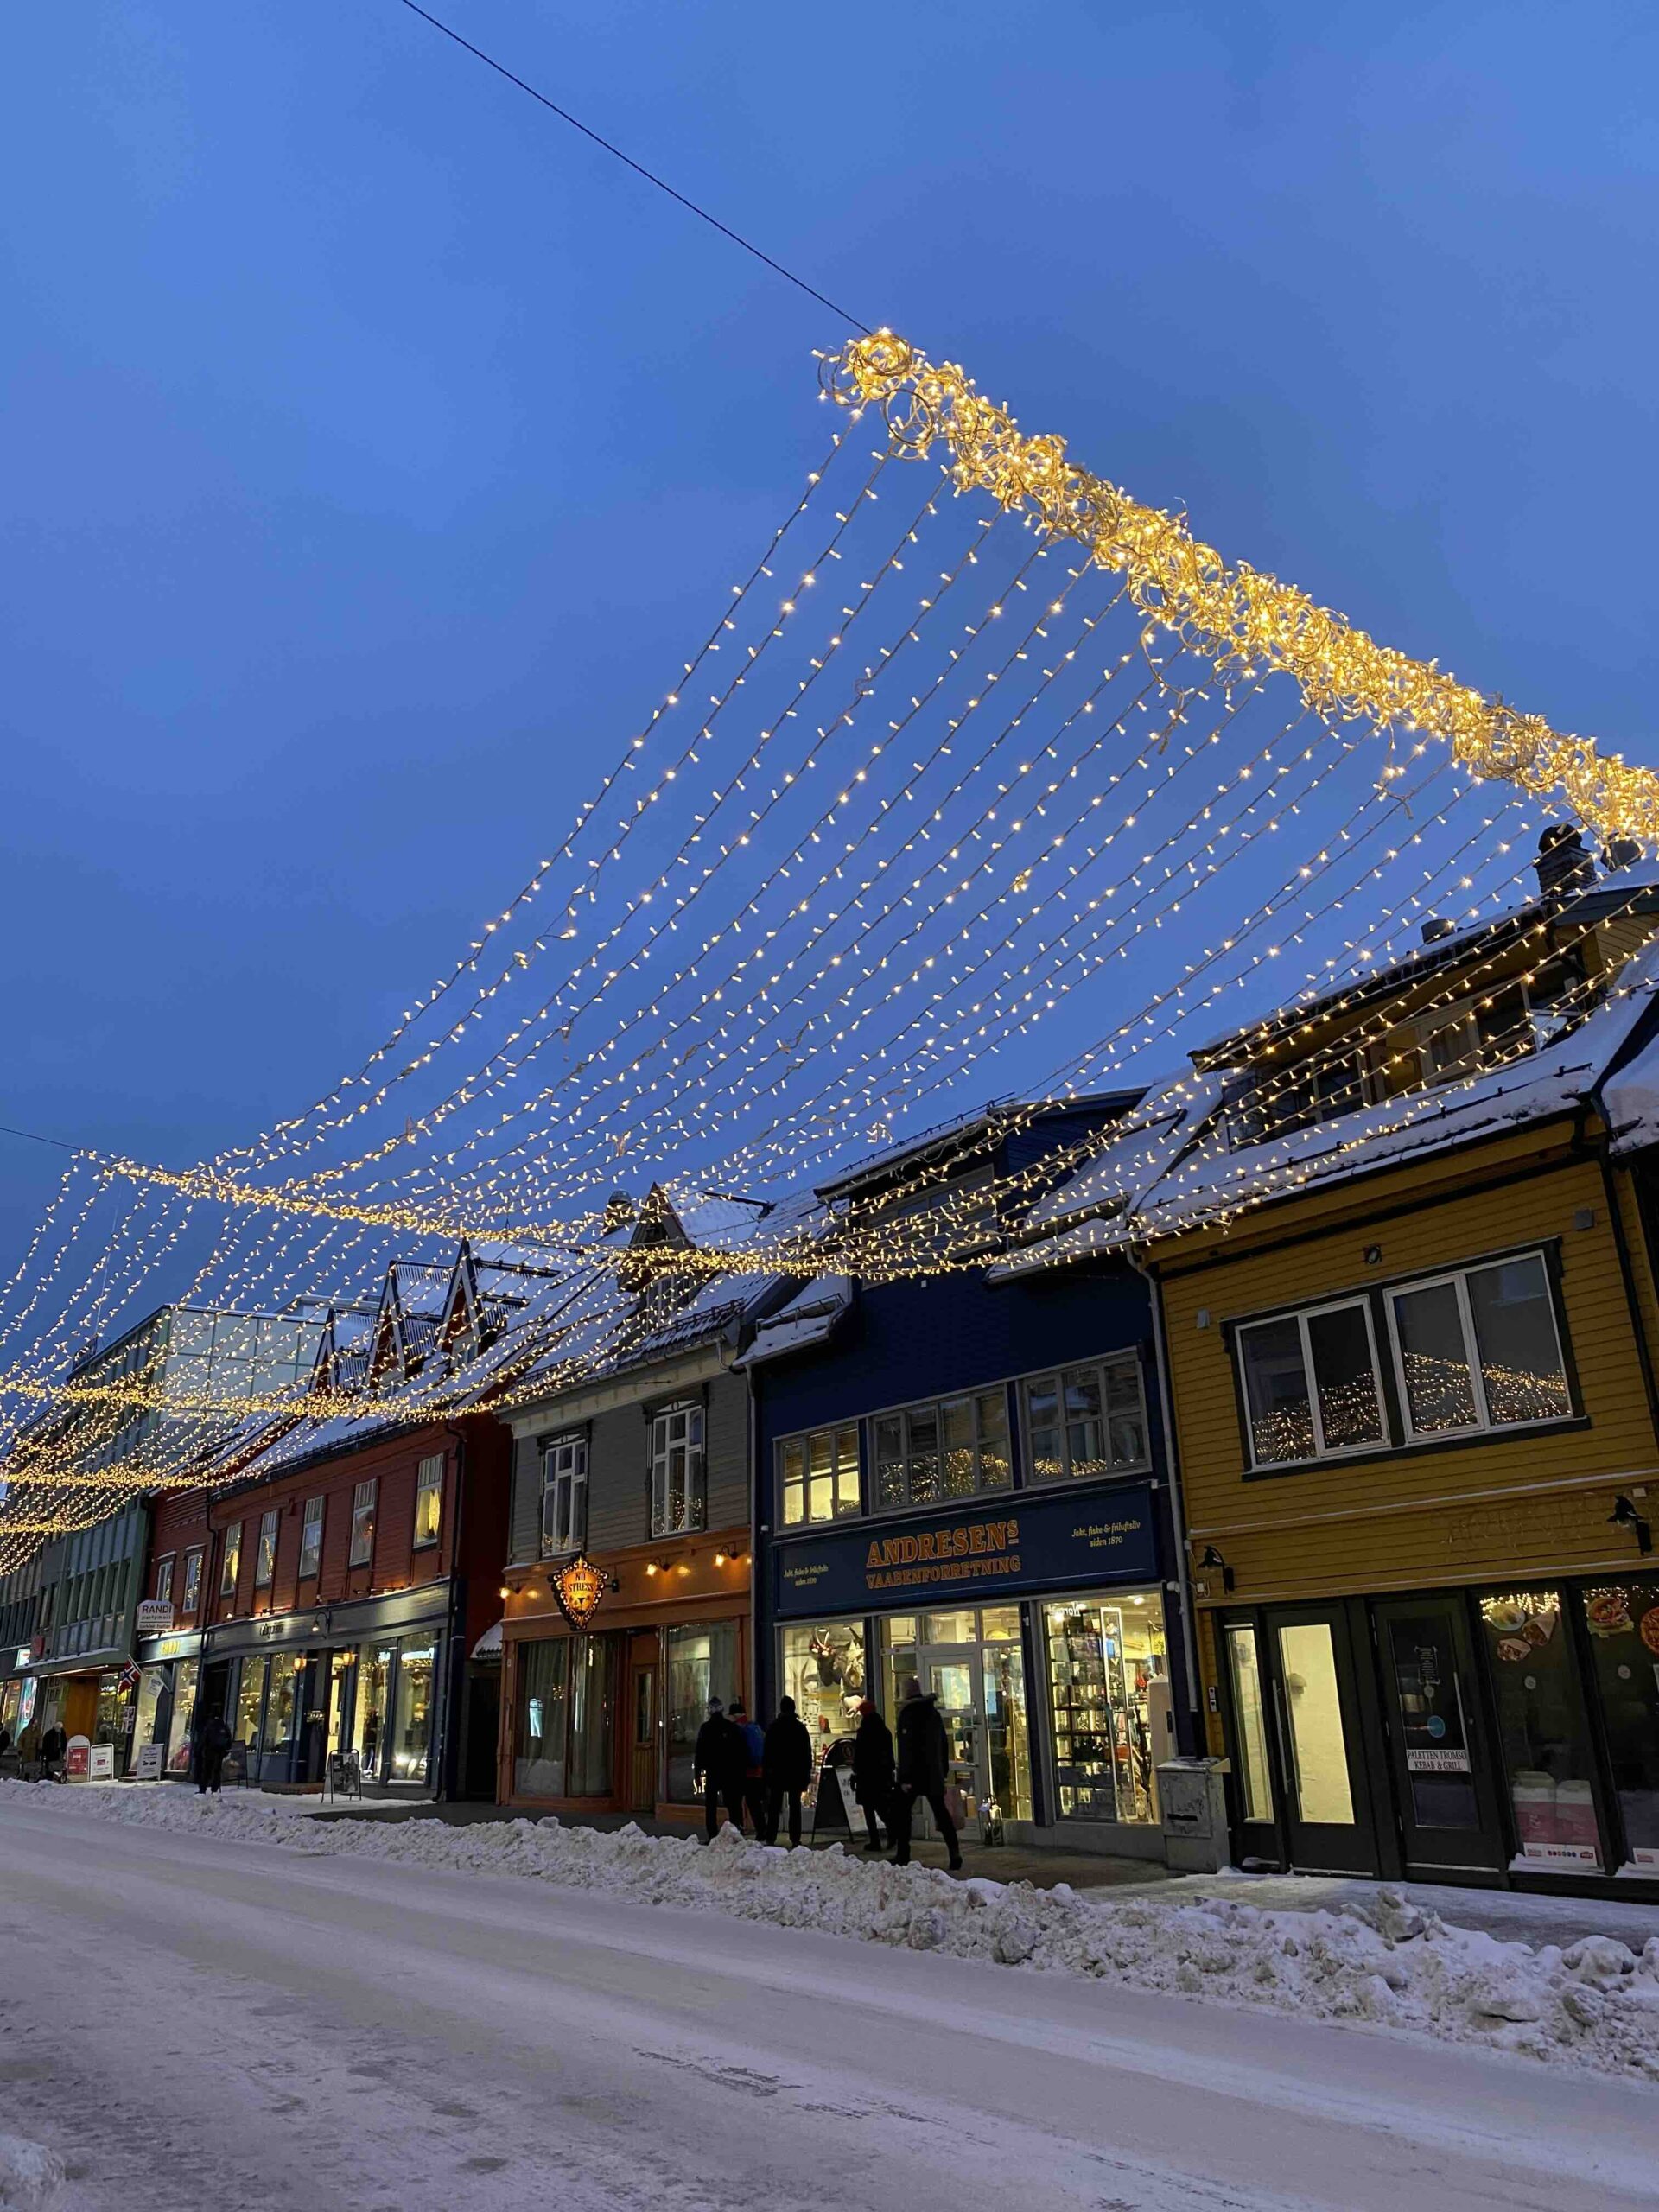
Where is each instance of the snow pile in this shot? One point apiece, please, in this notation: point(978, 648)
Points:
point(1386, 1964)
point(30, 2175)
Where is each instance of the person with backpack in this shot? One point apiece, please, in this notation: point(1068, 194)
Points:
point(754, 1752)
point(717, 1763)
point(873, 1771)
point(786, 1770)
point(924, 1764)
point(212, 1741)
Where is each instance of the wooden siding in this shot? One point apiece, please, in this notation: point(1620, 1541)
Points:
point(1525, 1504)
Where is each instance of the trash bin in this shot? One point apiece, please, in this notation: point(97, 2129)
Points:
point(1192, 1805)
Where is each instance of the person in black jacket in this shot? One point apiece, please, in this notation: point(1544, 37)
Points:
point(924, 1767)
point(212, 1741)
point(786, 1770)
point(54, 1746)
point(717, 1764)
point(872, 1771)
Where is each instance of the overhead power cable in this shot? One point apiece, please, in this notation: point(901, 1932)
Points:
point(639, 169)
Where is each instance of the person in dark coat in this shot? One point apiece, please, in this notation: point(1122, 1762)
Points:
point(754, 1751)
point(786, 1770)
point(54, 1744)
point(717, 1763)
point(924, 1763)
point(872, 1771)
point(212, 1741)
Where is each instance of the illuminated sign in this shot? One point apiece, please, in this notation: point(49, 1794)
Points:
point(579, 1586)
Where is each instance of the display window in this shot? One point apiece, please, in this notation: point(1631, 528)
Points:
point(369, 1718)
point(152, 1688)
point(1623, 1620)
point(971, 1661)
point(1104, 1656)
point(565, 1719)
point(1542, 1732)
point(702, 1662)
point(249, 1728)
point(285, 1704)
point(822, 1665)
point(183, 1716)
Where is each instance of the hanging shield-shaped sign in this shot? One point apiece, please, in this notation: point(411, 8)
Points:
point(579, 1586)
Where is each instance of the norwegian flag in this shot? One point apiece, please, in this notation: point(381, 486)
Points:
point(130, 1676)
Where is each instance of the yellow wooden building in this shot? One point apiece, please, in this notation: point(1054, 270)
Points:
point(1398, 1237)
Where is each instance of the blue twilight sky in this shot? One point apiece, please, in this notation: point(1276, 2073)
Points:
point(371, 443)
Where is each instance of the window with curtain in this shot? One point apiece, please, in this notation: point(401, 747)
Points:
point(564, 1495)
point(363, 1497)
point(311, 1539)
point(265, 1561)
point(429, 1499)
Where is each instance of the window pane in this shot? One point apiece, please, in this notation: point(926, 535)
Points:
point(1275, 1392)
point(1422, 1660)
point(1307, 1660)
point(1250, 1712)
point(922, 1435)
point(1085, 1438)
point(1514, 1334)
point(538, 1762)
point(249, 1703)
point(794, 1502)
point(1042, 1420)
point(889, 1461)
point(821, 1488)
point(1340, 1342)
point(1439, 1391)
point(995, 1469)
point(847, 1470)
point(957, 1417)
point(1541, 1728)
point(1623, 1622)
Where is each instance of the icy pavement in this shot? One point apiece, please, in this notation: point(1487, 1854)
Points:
point(196, 2020)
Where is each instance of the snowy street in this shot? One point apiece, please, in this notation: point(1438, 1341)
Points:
point(192, 2023)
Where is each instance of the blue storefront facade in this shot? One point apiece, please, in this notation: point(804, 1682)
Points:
point(963, 1481)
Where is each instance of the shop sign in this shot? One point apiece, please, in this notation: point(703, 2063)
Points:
point(75, 1758)
point(30, 1691)
point(151, 1756)
point(101, 1763)
point(1047, 1540)
point(155, 1616)
point(579, 1585)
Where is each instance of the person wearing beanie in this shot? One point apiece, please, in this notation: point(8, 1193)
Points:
point(872, 1770)
point(786, 1770)
point(717, 1763)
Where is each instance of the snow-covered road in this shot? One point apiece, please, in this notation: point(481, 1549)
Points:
point(197, 2025)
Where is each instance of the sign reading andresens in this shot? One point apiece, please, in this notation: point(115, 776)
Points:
point(1044, 1541)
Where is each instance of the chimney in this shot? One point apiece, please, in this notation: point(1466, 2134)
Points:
point(1620, 852)
point(1437, 927)
point(1564, 868)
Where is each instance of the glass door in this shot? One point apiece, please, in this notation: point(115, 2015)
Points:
point(1443, 1780)
point(1250, 1743)
point(642, 1704)
point(1326, 1811)
point(955, 1681)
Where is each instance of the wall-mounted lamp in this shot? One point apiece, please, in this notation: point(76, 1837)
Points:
point(1211, 1557)
point(1373, 1256)
point(720, 1558)
point(1624, 1515)
point(503, 1592)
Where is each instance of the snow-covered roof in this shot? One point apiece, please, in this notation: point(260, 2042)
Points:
point(812, 1317)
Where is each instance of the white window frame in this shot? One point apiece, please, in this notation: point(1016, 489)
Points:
point(230, 1571)
point(565, 1494)
point(190, 1597)
point(835, 1431)
point(428, 1482)
point(365, 1497)
point(264, 1556)
point(311, 1528)
point(1458, 1279)
point(163, 1591)
point(1302, 1315)
point(1057, 1376)
point(685, 1415)
point(935, 1407)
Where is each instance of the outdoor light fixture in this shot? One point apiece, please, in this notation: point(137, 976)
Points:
point(1624, 1515)
point(1211, 1557)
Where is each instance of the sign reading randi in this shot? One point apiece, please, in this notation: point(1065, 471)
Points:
point(1043, 1539)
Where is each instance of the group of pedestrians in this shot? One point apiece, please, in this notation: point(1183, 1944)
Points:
point(39, 1751)
point(758, 1775)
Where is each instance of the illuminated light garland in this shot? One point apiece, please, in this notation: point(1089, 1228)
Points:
point(1239, 618)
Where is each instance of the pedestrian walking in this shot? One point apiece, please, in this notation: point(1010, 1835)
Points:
point(874, 1772)
point(54, 1744)
point(754, 1752)
point(786, 1770)
point(717, 1763)
point(212, 1741)
point(924, 1767)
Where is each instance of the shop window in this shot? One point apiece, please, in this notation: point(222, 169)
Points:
point(701, 1663)
point(411, 1737)
point(363, 1499)
point(1541, 1730)
point(590, 1767)
point(564, 1496)
point(369, 1720)
point(283, 1705)
point(822, 1665)
point(230, 1571)
point(1479, 1349)
point(1085, 1421)
point(1103, 1660)
point(179, 1724)
point(952, 1447)
point(1622, 1618)
point(311, 1539)
point(250, 1706)
point(542, 1718)
point(192, 1596)
point(164, 1580)
point(679, 1489)
point(264, 1559)
point(1310, 1383)
point(817, 1476)
point(429, 1499)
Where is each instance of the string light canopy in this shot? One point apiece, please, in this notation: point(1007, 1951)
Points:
point(976, 747)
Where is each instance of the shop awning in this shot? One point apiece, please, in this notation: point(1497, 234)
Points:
point(489, 1644)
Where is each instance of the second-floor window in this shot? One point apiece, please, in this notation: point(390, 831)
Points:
point(1085, 1421)
point(164, 1580)
point(311, 1539)
point(231, 1569)
point(817, 1476)
point(953, 1447)
point(192, 1596)
point(264, 1563)
point(1312, 1388)
point(429, 1499)
point(1479, 1349)
point(678, 1490)
point(362, 1551)
point(564, 1495)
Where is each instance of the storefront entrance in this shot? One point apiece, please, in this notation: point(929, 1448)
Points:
point(1305, 1796)
point(979, 1686)
point(1444, 1781)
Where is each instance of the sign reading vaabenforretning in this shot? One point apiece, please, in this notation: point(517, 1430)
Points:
point(1046, 1540)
